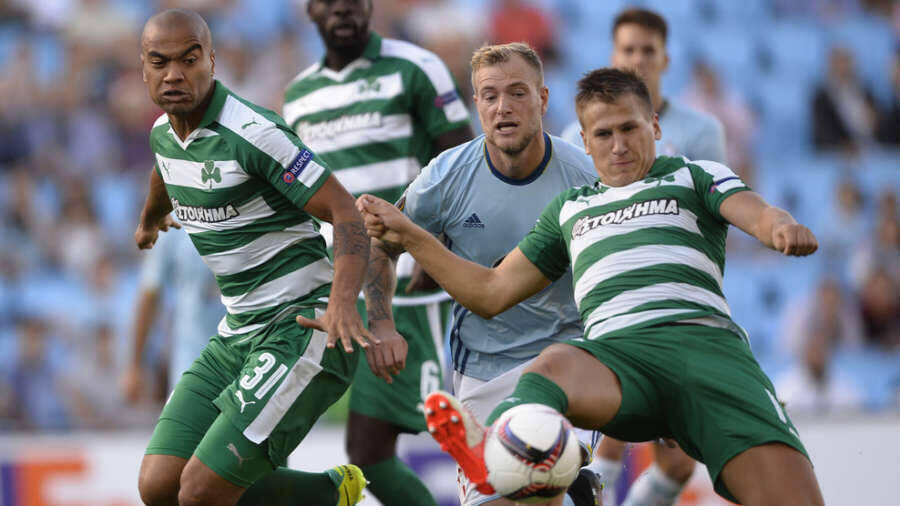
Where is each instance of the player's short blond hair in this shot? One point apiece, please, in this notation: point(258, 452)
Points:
point(488, 56)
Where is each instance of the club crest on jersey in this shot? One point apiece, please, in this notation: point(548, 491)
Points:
point(209, 172)
point(646, 208)
point(297, 166)
point(203, 214)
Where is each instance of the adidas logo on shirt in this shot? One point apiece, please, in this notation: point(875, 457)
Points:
point(473, 222)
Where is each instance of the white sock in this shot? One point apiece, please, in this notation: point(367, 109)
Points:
point(653, 488)
point(609, 471)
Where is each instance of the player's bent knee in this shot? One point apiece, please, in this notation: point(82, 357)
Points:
point(555, 362)
point(159, 479)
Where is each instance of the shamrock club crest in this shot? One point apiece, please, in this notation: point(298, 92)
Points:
point(210, 173)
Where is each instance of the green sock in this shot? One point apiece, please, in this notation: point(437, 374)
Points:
point(532, 388)
point(394, 484)
point(288, 486)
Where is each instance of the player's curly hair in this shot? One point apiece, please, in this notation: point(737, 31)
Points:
point(608, 84)
point(490, 55)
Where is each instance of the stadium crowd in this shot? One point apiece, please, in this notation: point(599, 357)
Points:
point(808, 93)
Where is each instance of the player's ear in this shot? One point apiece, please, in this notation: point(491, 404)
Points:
point(212, 62)
point(657, 131)
point(545, 99)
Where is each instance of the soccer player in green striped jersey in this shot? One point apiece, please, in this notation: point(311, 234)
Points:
point(376, 110)
point(245, 189)
point(660, 356)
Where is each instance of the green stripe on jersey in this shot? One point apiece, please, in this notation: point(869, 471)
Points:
point(642, 254)
point(374, 123)
point(238, 184)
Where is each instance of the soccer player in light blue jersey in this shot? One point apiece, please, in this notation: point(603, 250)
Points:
point(173, 267)
point(639, 42)
point(481, 197)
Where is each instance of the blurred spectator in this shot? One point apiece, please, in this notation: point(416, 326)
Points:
point(849, 224)
point(38, 401)
point(811, 386)
point(522, 21)
point(889, 122)
point(880, 306)
point(706, 93)
point(882, 249)
point(830, 313)
point(844, 113)
point(78, 240)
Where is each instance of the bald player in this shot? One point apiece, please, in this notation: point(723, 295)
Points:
point(246, 189)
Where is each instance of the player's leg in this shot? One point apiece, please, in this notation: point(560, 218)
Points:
point(772, 473)
point(380, 412)
point(288, 378)
point(608, 463)
point(184, 420)
point(664, 480)
point(727, 415)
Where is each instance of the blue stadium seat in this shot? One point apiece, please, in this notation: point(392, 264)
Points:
point(870, 40)
point(733, 53)
point(785, 115)
point(795, 49)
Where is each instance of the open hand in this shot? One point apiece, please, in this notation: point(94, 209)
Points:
point(342, 323)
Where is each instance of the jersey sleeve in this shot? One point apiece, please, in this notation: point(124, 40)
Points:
point(544, 245)
point(710, 143)
point(713, 183)
point(287, 164)
point(422, 200)
point(436, 99)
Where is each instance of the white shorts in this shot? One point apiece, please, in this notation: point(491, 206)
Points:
point(480, 397)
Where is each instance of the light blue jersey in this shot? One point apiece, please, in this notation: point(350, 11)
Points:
point(685, 131)
point(482, 215)
point(173, 265)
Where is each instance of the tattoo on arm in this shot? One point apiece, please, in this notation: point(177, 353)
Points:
point(378, 284)
point(350, 239)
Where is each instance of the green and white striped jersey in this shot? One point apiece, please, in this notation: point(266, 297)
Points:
point(238, 185)
point(375, 121)
point(646, 253)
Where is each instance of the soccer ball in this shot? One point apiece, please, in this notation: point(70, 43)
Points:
point(531, 453)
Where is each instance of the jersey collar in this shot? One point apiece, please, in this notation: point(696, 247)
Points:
point(220, 93)
point(371, 53)
point(548, 149)
point(661, 166)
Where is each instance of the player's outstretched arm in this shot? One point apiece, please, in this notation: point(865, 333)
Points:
point(155, 215)
point(774, 227)
point(341, 321)
point(484, 291)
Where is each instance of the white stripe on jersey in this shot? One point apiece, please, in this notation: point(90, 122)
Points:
point(295, 381)
point(283, 289)
point(626, 301)
point(247, 214)
point(613, 194)
point(434, 68)
point(378, 175)
point(387, 128)
point(342, 95)
point(685, 219)
point(189, 174)
point(627, 320)
point(254, 128)
point(225, 331)
point(258, 251)
point(642, 256)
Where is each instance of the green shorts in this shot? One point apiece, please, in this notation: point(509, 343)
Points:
point(699, 385)
point(244, 405)
point(400, 403)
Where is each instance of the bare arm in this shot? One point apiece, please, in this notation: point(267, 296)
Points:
point(333, 204)
point(155, 215)
point(389, 356)
point(485, 291)
point(148, 302)
point(774, 227)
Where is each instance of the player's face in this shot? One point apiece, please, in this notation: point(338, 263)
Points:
point(641, 49)
point(177, 67)
point(620, 137)
point(341, 23)
point(511, 101)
